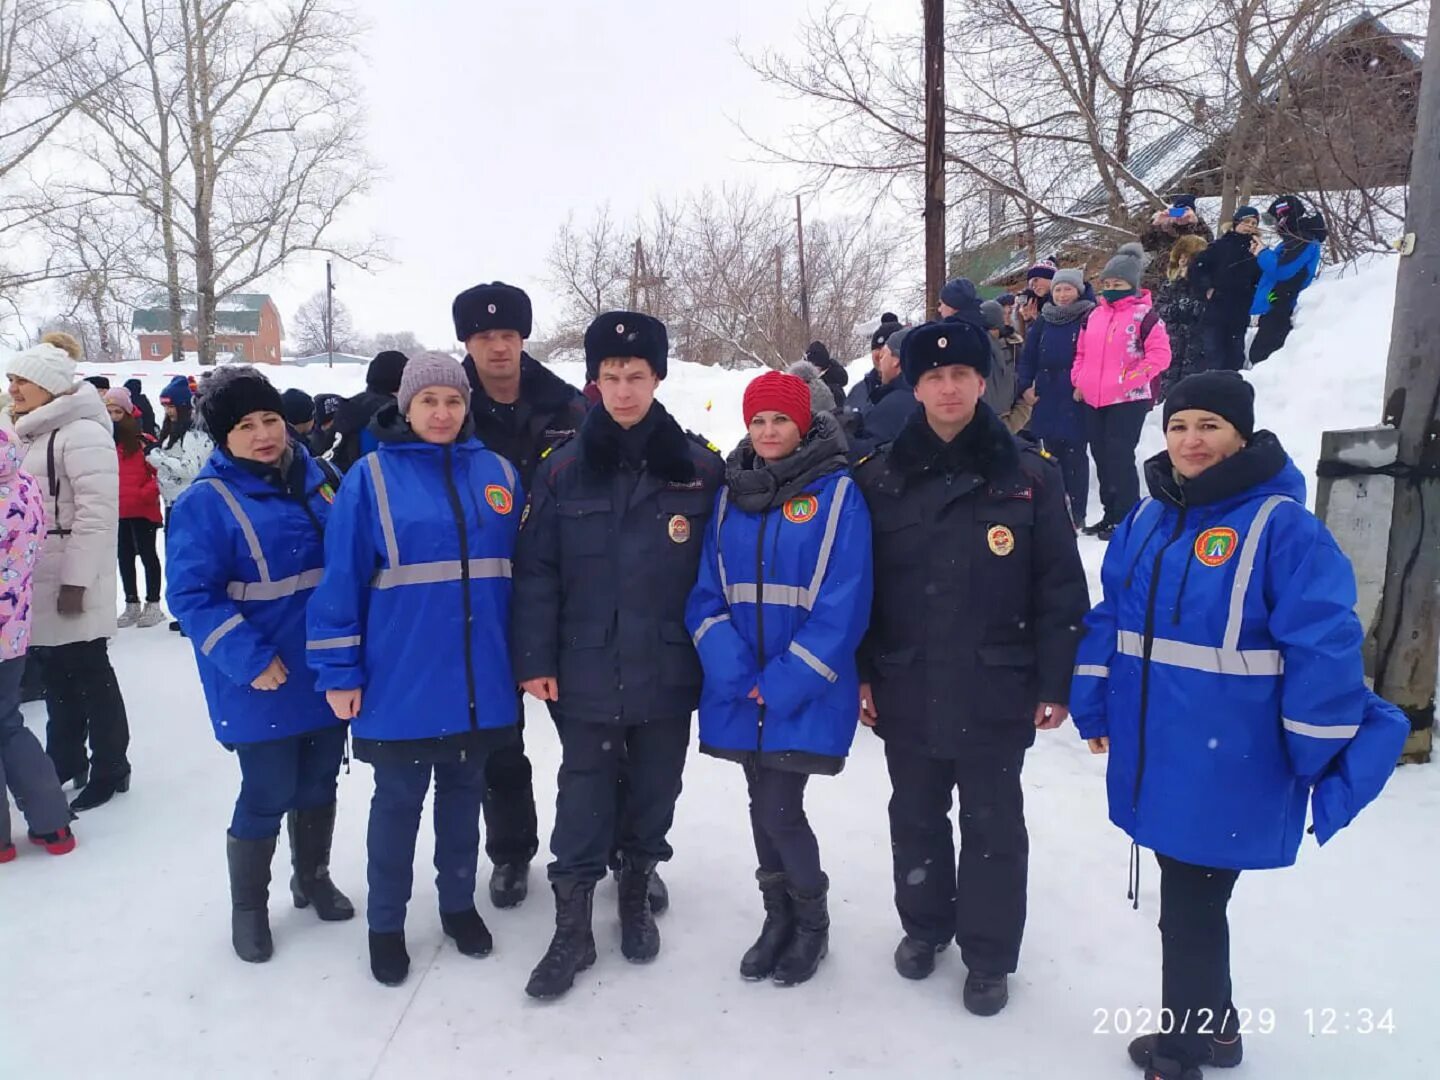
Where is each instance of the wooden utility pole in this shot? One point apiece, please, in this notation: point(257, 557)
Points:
point(1407, 633)
point(329, 316)
point(804, 282)
point(934, 153)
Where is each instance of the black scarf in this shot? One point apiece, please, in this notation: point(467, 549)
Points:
point(984, 447)
point(657, 444)
point(757, 485)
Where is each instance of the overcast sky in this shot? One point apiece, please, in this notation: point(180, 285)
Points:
point(494, 120)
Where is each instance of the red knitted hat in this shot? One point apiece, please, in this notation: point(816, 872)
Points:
point(776, 391)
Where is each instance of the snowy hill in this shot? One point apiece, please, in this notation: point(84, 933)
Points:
point(116, 959)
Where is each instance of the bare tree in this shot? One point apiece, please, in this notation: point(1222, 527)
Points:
point(403, 341)
point(720, 269)
point(308, 334)
point(101, 250)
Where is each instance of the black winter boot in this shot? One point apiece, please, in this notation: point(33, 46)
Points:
point(915, 959)
point(389, 959)
point(468, 929)
point(811, 940)
point(986, 994)
point(509, 884)
point(311, 831)
point(572, 949)
point(250, 897)
point(777, 930)
point(1223, 1055)
point(1168, 1069)
point(659, 894)
point(639, 936)
point(100, 791)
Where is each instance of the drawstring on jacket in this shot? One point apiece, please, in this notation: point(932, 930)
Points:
point(1133, 895)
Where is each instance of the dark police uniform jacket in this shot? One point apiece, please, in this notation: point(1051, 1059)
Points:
point(607, 557)
point(979, 589)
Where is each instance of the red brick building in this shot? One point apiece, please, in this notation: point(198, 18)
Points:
point(247, 326)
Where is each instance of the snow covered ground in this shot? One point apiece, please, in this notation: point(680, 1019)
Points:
point(116, 960)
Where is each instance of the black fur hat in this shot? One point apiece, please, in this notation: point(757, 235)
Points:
point(617, 334)
point(496, 306)
point(939, 344)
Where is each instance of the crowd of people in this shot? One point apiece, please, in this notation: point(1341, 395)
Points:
point(402, 567)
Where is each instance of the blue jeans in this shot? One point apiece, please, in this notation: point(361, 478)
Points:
point(281, 775)
point(400, 789)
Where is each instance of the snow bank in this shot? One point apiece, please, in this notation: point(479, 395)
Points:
point(126, 941)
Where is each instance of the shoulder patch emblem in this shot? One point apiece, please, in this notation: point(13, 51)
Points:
point(1001, 540)
point(801, 509)
point(499, 498)
point(1213, 547)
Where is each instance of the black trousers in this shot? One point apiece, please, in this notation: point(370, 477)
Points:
point(511, 833)
point(1223, 347)
point(784, 840)
point(1195, 946)
point(83, 698)
point(980, 902)
point(1114, 432)
point(1075, 469)
point(589, 819)
point(1275, 326)
point(137, 537)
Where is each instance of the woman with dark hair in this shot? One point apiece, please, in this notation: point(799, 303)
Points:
point(183, 448)
point(1222, 673)
point(246, 548)
point(139, 511)
point(779, 609)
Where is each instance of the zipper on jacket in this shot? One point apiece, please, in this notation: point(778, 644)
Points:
point(760, 622)
point(458, 509)
point(1146, 649)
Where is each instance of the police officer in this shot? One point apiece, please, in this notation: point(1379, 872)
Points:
point(608, 554)
point(520, 410)
point(979, 595)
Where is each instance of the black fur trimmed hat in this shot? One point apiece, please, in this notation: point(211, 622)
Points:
point(495, 306)
point(617, 334)
point(940, 344)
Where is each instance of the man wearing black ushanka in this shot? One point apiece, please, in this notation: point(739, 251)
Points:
point(520, 410)
point(979, 595)
point(608, 553)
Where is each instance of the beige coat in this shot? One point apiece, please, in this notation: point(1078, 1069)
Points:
point(87, 504)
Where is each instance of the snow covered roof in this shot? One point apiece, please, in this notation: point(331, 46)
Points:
point(324, 358)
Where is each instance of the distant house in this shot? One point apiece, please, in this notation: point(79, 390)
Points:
point(247, 326)
point(324, 359)
point(1360, 84)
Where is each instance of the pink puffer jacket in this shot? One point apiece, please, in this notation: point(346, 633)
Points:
point(1114, 362)
point(22, 531)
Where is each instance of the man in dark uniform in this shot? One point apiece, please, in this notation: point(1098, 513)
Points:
point(520, 411)
point(609, 551)
point(979, 596)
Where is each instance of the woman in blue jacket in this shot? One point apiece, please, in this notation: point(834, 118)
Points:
point(780, 606)
point(1222, 673)
point(1059, 420)
point(244, 550)
point(408, 634)
point(1286, 270)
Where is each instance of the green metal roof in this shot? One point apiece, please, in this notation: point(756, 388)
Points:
point(238, 313)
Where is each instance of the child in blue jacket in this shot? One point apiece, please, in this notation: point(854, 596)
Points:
point(1286, 270)
point(779, 609)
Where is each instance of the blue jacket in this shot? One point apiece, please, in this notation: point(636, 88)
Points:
point(1286, 270)
point(1045, 364)
point(1224, 665)
point(793, 632)
point(242, 557)
point(399, 612)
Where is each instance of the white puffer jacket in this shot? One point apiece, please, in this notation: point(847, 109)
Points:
point(82, 517)
point(178, 466)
